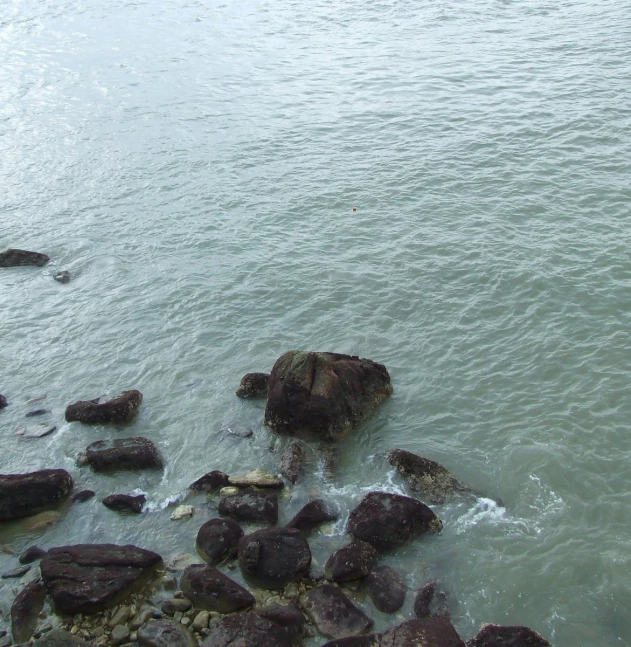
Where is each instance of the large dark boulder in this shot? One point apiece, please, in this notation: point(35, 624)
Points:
point(25, 611)
point(165, 633)
point(210, 481)
point(208, 588)
point(253, 385)
point(217, 540)
point(323, 394)
point(18, 257)
point(430, 479)
point(333, 614)
point(123, 454)
point(311, 515)
point(507, 636)
point(389, 521)
point(250, 506)
point(23, 495)
point(125, 502)
point(431, 601)
point(351, 562)
point(248, 630)
point(292, 461)
point(430, 632)
point(386, 589)
point(87, 578)
point(119, 410)
point(273, 557)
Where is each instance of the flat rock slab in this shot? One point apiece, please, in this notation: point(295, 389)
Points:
point(209, 589)
point(253, 385)
point(16, 572)
point(165, 633)
point(256, 478)
point(217, 540)
point(351, 562)
point(23, 495)
point(25, 611)
point(125, 503)
point(386, 589)
point(323, 394)
point(389, 521)
point(34, 431)
point(87, 578)
point(430, 632)
point(292, 461)
point(20, 257)
point(119, 410)
point(507, 636)
point(59, 638)
point(123, 454)
point(312, 515)
point(248, 630)
point(250, 506)
point(273, 557)
point(210, 481)
point(333, 614)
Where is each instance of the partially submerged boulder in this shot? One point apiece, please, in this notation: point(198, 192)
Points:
point(208, 588)
point(23, 495)
point(125, 502)
point(253, 385)
point(165, 633)
point(19, 257)
point(311, 515)
point(430, 632)
point(123, 454)
point(25, 611)
point(217, 540)
point(389, 521)
point(351, 562)
point(386, 589)
point(431, 601)
point(248, 630)
point(87, 578)
point(210, 481)
point(119, 410)
point(250, 506)
point(491, 635)
point(323, 394)
point(292, 461)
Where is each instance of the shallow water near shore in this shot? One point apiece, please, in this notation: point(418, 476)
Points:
point(195, 167)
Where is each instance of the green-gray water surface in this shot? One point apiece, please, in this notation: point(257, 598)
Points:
point(195, 164)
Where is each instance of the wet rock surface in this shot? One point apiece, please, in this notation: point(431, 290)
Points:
point(217, 540)
point(3, 401)
point(119, 410)
point(165, 633)
point(431, 601)
point(20, 257)
point(210, 481)
point(209, 589)
point(123, 454)
point(248, 630)
point(59, 638)
point(256, 478)
point(25, 611)
point(351, 562)
point(292, 461)
point(386, 589)
point(86, 578)
point(125, 503)
point(507, 636)
point(312, 515)
point(273, 557)
point(31, 554)
point(84, 495)
point(253, 385)
point(250, 506)
point(23, 495)
point(332, 612)
point(323, 394)
point(389, 521)
point(430, 632)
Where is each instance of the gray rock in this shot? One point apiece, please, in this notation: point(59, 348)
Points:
point(165, 633)
point(253, 385)
point(84, 495)
point(250, 506)
point(23, 495)
point(200, 621)
point(172, 605)
point(141, 618)
point(491, 635)
point(429, 632)
point(217, 540)
point(236, 431)
point(120, 616)
point(119, 410)
point(311, 515)
point(179, 562)
point(25, 611)
point(19, 257)
point(123, 454)
point(211, 590)
point(292, 461)
point(351, 562)
point(120, 634)
point(386, 589)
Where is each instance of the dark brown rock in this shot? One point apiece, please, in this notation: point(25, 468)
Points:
point(123, 454)
point(25, 611)
point(371, 640)
point(253, 385)
point(119, 410)
point(507, 636)
point(430, 632)
point(311, 515)
point(386, 589)
point(248, 630)
point(210, 482)
point(273, 557)
point(165, 633)
point(3, 401)
point(208, 588)
point(125, 502)
point(217, 540)
point(250, 506)
point(289, 617)
point(323, 394)
point(19, 257)
point(333, 614)
point(389, 521)
point(16, 572)
point(84, 495)
point(23, 495)
point(32, 554)
point(292, 461)
point(351, 562)
point(59, 638)
point(173, 605)
point(329, 457)
point(87, 578)
point(431, 601)
point(434, 482)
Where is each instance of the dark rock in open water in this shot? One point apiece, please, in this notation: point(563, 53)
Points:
point(62, 277)
point(248, 630)
point(371, 640)
point(123, 454)
point(125, 502)
point(273, 557)
point(292, 461)
point(208, 588)
point(386, 589)
point(253, 385)
point(86, 578)
point(25, 611)
point(3, 401)
point(59, 638)
point(23, 495)
point(210, 481)
point(84, 495)
point(217, 540)
point(333, 614)
point(351, 562)
point(165, 633)
point(431, 601)
point(389, 521)
point(507, 636)
point(250, 506)
point(31, 554)
point(430, 632)
point(323, 394)
point(118, 410)
point(18, 257)
point(311, 515)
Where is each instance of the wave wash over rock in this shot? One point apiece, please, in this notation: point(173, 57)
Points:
point(323, 394)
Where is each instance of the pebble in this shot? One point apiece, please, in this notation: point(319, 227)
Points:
point(98, 632)
point(31, 554)
point(74, 630)
point(182, 512)
point(185, 621)
point(140, 619)
point(177, 616)
point(201, 620)
point(120, 634)
point(169, 583)
point(172, 606)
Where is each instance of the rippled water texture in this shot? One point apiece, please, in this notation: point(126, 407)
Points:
point(195, 165)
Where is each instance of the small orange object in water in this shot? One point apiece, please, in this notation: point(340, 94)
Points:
point(354, 208)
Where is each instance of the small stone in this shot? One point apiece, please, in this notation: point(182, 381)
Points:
point(177, 616)
point(74, 630)
point(62, 277)
point(120, 616)
point(228, 491)
point(253, 385)
point(36, 412)
point(3, 402)
point(120, 634)
point(173, 605)
point(182, 512)
point(97, 632)
point(125, 502)
point(185, 621)
point(201, 620)
point(140, 619)
point(133, 636)
point(292, 591)
point(169, 583)
point(5, 641)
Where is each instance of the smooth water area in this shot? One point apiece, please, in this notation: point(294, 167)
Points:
point(195, 165)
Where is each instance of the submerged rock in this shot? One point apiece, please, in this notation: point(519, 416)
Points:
point(165, 633)
point(209, 589)
point(289, 617)
point(23, 495)
point(430, 632)
point(125, 502)
point(217, 540)
point(3, 401)
point(323, 394)
point(351, 562)
point(62, 277)
point(389, 521)
point(248, 630)
point(250, 506)
point(256, 478)
point(253, 385)
point(31, 554)
point(292, 461)
point(118, 410)
point(123, 454)
point(87, 578)
point(311, 515)
point(491, 635)
point(25, 611)
point(19, 257)
point(386, 589)
point(59, 638)
point(210, 482)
